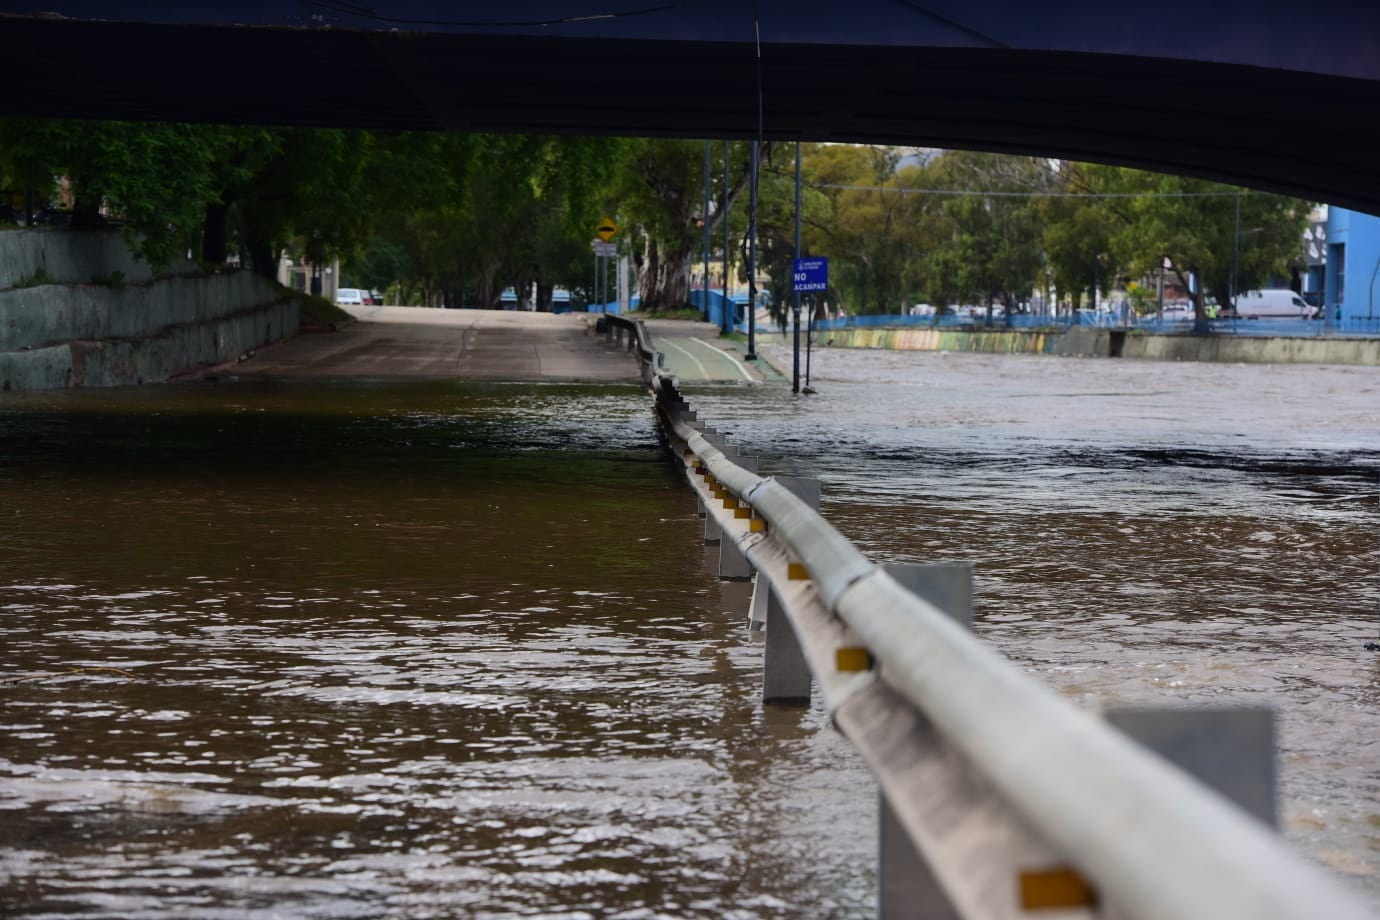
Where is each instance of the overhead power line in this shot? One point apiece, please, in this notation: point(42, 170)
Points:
point(903, 190)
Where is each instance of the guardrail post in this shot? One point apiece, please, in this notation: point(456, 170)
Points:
point(785, 672)
point(733, 564)
point(712, 532)
point(908, 887)
point(1230, 750)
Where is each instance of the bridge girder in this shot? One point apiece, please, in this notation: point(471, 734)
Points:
point(1227, 121)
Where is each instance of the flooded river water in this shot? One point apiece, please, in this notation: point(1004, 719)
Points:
point(454, 650)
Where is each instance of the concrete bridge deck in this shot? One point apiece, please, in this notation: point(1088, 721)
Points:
point(416, 342)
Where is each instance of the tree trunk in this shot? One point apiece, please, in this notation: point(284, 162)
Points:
point(490, 298)
point(263, 253)
point(263, 259)
point(544, 297)
point(213, 234)
point(86, 215)
point(664, 279)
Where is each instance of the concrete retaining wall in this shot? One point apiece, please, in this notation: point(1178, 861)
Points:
point(1089, 342)
point(64, 257)
point(146, 329)
point(1252, 350)
point(932, 339)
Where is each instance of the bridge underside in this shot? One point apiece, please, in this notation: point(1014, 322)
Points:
point(1307, 134)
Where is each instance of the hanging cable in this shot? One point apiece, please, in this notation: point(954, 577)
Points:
point(952, 24)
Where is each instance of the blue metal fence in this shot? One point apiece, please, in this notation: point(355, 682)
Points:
point(717, 304)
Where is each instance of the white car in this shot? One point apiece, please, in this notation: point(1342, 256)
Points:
point(349, 297)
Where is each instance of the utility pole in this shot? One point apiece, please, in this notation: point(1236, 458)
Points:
point(752, 260)
point(1235, 253)
point(795, 312)
point(705, 215)
point(728, 317)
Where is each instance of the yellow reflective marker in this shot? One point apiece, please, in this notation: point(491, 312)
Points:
point(797, 572)
point(742, 513)
point(853, 659)
point(1052, 888)
point(730, 502)
point(757, 525)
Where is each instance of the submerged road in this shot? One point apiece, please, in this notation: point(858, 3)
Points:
point(416, 342)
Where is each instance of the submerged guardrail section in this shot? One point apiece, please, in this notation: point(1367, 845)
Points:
point(999, 798)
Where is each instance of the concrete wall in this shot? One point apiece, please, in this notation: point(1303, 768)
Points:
point(69, 332)
point(64, 257)
point(926, 338)
point(1253, 349)
point(1089, 342)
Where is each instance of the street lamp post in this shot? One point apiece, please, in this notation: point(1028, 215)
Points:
point(727, 316)
point(705, 215)
point(795, 312)
point(752, 258)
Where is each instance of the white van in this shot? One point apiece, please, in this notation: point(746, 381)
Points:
point(1272, 303)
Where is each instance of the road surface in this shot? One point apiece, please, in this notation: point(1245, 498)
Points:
point(416, 342)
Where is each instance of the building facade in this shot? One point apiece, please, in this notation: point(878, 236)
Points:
point(1352, 289)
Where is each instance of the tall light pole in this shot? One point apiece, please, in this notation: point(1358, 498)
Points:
point(795, 312)
point(728, 317)
point(705, 215)
point(752, 259)
point(1235, 254)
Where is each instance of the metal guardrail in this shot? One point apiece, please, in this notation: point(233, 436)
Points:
point(616, 325)
point(1007, 797)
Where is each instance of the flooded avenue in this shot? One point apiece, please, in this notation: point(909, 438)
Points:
point(455, 649)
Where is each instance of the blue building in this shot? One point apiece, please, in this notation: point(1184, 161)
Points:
point(1353, 262)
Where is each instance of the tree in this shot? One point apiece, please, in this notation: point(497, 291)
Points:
point(151, 179)
point(661, 194)
point(866, 230)
point(988, 245)
point(1079, 232)
point(1194, 224)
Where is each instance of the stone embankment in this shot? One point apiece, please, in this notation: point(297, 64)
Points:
point(80, 310)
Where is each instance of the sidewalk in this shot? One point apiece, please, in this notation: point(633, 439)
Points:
point(696, 352)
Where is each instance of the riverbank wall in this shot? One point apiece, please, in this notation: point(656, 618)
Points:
point(81, 310)
point(1091, 342)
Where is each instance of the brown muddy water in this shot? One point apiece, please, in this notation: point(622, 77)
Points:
point(389, 651)
point(435, 650)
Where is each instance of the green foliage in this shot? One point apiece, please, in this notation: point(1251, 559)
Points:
point(689, 314)
point(37, 279)
point(319, 311)
point(444, 218)
point(1194, 223)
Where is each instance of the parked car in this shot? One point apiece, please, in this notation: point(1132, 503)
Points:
point(349, 297)
point(376, 298)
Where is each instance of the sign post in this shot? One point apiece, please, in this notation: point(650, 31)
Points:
point(604, 248)
point(809, 275)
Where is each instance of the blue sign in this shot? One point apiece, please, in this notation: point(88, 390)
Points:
point(810, 275)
